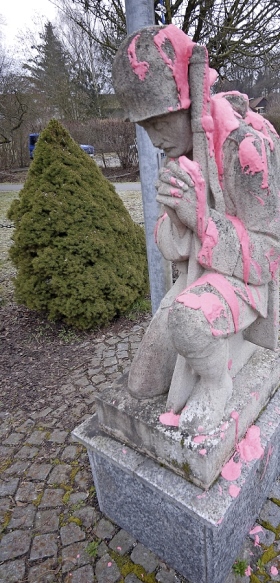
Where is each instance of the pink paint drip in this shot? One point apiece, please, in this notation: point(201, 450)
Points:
point(257, 541)
point(256, 529)
point(209, 241)
point(234, 490)
point(250, 160)
point(208, 303)
point(193, 169)
point(221, 284)
point(225, 122)
point(158, 223)
point(250, 447)
point(183, 47)
point(262, 125)
point(169, 418)
point(140, 68)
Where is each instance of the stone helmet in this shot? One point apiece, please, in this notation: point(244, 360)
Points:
point(150, 72)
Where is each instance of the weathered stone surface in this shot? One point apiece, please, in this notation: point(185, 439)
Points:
point(69, 453)
point(47, 521)
point(52, 498)
point(60, 474)
point(43, 546)
point(13, 439)
point(28, 491)
point(87, 515)
point(58, 436)
point(106, 570)
point(27, 452)
point(164, 576)
point(104, 529)
point(83, 575)
point(270, 514)
point(142, 556)
point(22, 517)
point(12, 572)
point(39, 471)
point(74, 555)
point(45, 572)
point(131, 578)
point(122, 542)
point(36, 438)
point(17, 468)
point(8, 487)
point(14, 544)
point(71, 533)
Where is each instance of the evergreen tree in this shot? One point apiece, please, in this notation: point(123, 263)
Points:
point(78, 253)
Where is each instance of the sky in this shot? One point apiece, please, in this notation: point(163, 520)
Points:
point(19, 15)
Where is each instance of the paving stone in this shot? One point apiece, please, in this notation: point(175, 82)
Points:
point(77, 497)
point(5, 451)
point(70, 453)
point(44, 572)
point(12, 572)
point(75, 555)
point(43, 413)
point(270, 513)
point(47, 521)
point(96, 379)
point(28, 491)
point(13, 439)
point(22, 517)
point(164, 576)
point(83, 479)
point(36, 438)
point(25, 426)
point(14, 544)
point(102, 549)
point(27, 452)
point(104, 529)
point(5, 505)
point(122, 542)
point(58, 436)
point(131, 578)
point(87, 515)
point(142, 556)
point(266, 537)
point(52, 497)
point(39, 471)
point(60, 474)
point(83, 575)
point(17, 468)
point(275, 491)
point(106, 570)
point(43, 546)
point(9, 487)
point(71, 533)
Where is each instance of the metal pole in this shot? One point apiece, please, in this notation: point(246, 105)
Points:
point(140, 13)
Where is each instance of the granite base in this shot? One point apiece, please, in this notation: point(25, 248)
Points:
point(198, 533)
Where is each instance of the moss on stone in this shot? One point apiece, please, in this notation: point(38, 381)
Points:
point(126, 566)
point(79, 256)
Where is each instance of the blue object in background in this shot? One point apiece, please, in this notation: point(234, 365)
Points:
point(32, 143)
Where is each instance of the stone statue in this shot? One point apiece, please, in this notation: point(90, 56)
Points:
point(220, 223)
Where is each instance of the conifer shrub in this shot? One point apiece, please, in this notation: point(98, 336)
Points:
point(79, 255)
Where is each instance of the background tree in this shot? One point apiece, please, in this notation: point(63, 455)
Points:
point(78, 253)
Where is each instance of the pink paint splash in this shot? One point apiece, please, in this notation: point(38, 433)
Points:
point(260, 124)
point(231, 470)
point(256, 395)
point(209, 241)
point(234, 490)
point(208, 303)
point(256, 529)
point(199, 438)
point(250, 447)
point(158, 223)
point(220, 521)
point(234, 415)
point(193, 169)
point(220, 490)
point(222, 285)
point(273, 570)
point(109, 564)
point(247, 260)
point(203, 451)
point(251, 161)
point(257, 541)
point(269, 454)
point(248, 571)
point(140, 68)
point(183, 47)
point(176, 193)
point(225, 122)
point(229, 364)
point(169, 418)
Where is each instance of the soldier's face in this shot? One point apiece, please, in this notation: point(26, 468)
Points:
point(171, 132)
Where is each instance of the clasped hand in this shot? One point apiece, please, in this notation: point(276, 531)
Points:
point(176, 191)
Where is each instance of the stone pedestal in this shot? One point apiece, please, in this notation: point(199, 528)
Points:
point(140, 468)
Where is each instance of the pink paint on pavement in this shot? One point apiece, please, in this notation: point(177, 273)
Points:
point(222, 285)
point(256, 529)
point(235, 416)
point(158, 223)
point(250, 447)
point(257, 541)
point(169, 418)
point(234, 491)
point(193, 169)
point(140, 68)
point(183, 47)
point(273, 570)
point(248, 571)
point(231, 470)
point(209, 241)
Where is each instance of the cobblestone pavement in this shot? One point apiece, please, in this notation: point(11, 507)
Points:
point(52, 530)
